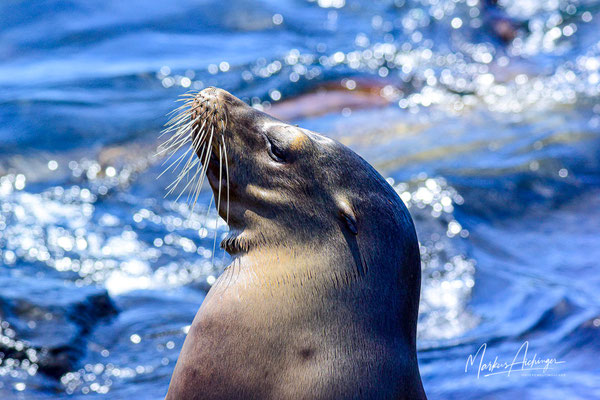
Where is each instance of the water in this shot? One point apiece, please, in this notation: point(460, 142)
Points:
point(487, 126)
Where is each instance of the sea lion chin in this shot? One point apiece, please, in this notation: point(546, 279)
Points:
point(321, 298)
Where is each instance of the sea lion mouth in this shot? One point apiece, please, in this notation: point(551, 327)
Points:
point(200, 125)
point(236, 243)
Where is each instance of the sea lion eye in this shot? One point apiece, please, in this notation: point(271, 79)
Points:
point(274, 151)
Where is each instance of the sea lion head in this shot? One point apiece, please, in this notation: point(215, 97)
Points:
point(289, 183)
point(280, 185)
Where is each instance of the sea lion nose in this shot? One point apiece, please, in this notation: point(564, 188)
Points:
point(210, 102)
point(210, 91)
point(209, 95)
point(213, 95)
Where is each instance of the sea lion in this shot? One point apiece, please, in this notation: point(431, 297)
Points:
point(321, 298)
point(332, 97)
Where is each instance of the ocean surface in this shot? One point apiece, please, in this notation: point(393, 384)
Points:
point(483, 115)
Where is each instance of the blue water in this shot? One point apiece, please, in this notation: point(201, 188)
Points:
point(489, 131)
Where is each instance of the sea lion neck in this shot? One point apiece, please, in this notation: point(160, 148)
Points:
point(293, 264)
point(297, 275)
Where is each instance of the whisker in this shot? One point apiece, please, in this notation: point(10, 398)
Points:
point(188, 165)
point(175, 144)
point(198, 140)
point(196, 192)
point(176, 112)
point(209, 147)
point(193, 194)
point(194, 132)
point(227, 184)
point(173, 163)
point(206, 154)
point(226, 177)
point(192, 160)
point(179, 127)
point(218, 203)
point(208, 210)
point(180, 177)
point(189, 180)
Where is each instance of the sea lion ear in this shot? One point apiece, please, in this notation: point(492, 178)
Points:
point(347, 215)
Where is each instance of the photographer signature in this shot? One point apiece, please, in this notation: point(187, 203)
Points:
point(520, 363)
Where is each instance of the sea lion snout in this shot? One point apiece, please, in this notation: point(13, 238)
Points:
point(215, 113)
point(213, 93)
point(216, 101)
point(218, 96)
point(208, 112)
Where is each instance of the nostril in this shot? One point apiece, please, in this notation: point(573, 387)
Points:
point(210, 92)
